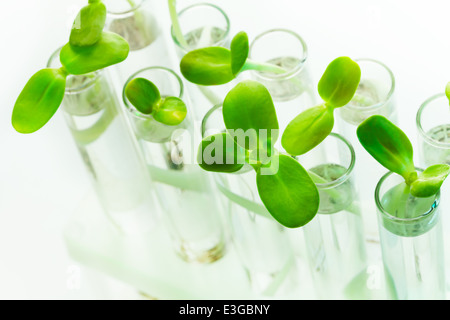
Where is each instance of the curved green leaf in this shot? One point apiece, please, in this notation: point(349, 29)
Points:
point(111, 49)
point(288, 192)
point(239, 52)
point(308, 130)
point(339, 82)
point(207, 66)
point(88, 26)
point(249, 115)
point(142, 94)
point(388, 145)
point(219, 153)
point(39, 100)
point(429, 181)
point(171, 111)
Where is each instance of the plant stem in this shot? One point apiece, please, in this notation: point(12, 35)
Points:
point(140, 21)
point(243, 202)
point(176, 24)
point(209, 95)
point(263, 67)
point(332, 192)
point(87, 136)
point(63, 71)
point(269, 68)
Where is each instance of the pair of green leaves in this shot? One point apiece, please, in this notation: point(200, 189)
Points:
point(217, 65)
point(90, 49)
point(390, 146)
point(336, 87)
point(146, 98)
point(284, 186)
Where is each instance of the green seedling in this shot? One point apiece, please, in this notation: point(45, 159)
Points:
point(89, 49)
point(336, 87)
point(284, 186)
point(390, 146)
point(217, 65)
point(146, 98)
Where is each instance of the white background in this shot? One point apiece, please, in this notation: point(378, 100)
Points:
point(42, 179)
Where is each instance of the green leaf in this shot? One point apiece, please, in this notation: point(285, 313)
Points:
point(88, 26)
point(339, 82)
point(249, 115)
point(388, 145)
point(239, 52)
point(219, 153)
point(429, 181)
point(142, 94)
point(110, 50)
point(308, 130)
point(39, 100)
point(288, 193)
point(447, 91)
point(171, 111)
point(207, 66)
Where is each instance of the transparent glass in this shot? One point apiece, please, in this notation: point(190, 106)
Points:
point(433, 126)
point(292, 90)
point(374, 96)
point(262, 244)
point(203, 25)
point(191, 208)
point(136, 21)
point(108, 148)
point(132, 20)
point(335, 237)
point(411, 241)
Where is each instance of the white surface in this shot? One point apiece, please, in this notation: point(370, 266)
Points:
point(42, 176)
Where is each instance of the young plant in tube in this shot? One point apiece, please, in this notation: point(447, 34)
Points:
point(284, 186)
point(146, 98)
point(89, 49)
point(336, 87)
point(390, 146)
point(217, 65)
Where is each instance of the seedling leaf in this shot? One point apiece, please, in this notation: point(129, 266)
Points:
point(447, 91)
point(39, 100)
point(142, 94)
point(288, 193)
point(388, 145)
point(171, 111)
point(88, 26)
point(249, 115)
point(308, 130)
point(239, 52)
point(219, 153)
point(430, 180)
point(109, 50)
point(339, 82)
point(207, 66)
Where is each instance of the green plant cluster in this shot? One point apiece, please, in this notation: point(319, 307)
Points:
point(287, 190)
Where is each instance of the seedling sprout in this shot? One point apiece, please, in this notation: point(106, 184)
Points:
point(390, 146)
point(89, 49)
